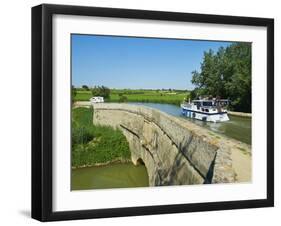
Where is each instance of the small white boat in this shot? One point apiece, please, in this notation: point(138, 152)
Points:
point(206, 110)
point(95, 100)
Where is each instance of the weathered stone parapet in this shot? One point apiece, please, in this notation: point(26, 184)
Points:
point(175, 151)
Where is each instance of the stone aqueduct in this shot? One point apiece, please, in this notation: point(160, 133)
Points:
point(174, 151)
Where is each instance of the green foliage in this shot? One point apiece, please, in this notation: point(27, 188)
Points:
point(227, 74)
point(73, 93)
point(93, 144)
point(122, 98)
point(101, 91)
point(155, 96)
point(85, 87)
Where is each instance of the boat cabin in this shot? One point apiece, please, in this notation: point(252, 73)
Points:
point(206, 109)
point(94, 100)
point(210, 103)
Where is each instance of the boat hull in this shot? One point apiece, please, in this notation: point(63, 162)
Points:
point(208, 117)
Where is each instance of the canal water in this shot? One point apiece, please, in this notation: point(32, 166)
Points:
point(126, 175)
point(238, 128)
point(117, 175)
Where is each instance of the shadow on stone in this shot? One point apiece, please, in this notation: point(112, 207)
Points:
point(209, 176)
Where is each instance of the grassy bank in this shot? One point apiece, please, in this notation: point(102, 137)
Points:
point(156, 96)
point(93, 144)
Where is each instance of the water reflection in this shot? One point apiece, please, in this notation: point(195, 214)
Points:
point(117, 175)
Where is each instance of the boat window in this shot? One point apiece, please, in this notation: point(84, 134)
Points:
point(207, 103)
point(197, 103)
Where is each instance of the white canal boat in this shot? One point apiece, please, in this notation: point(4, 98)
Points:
point(213, 110)
point(95, 100)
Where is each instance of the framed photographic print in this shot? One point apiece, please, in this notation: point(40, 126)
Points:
point(145, 112)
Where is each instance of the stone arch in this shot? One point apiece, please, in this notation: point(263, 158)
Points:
point(140, 162)
point(173, 151)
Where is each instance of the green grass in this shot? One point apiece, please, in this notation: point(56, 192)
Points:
point(168, 97)
point(93, 144)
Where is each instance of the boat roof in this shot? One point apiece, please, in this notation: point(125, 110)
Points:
point(202, 100)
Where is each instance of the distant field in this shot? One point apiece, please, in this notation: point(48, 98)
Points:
point(170, 97)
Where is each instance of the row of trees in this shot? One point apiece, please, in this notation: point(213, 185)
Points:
point(100, 91)
point(227, 74)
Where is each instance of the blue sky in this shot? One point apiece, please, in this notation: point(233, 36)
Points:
point(147, 63)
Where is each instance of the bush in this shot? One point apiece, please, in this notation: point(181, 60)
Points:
point(123, 99)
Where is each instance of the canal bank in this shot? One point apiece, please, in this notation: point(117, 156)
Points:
point(114, 161)
point(93, 144)
point(100, 155)
point(240, 114)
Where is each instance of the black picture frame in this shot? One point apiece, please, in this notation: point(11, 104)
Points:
point(42, 111)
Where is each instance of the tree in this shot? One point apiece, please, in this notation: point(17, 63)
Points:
point(101, 91)
point(85, 87)
point(226, 73)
